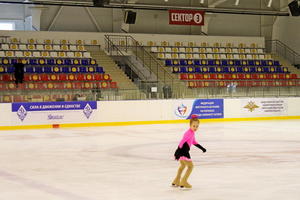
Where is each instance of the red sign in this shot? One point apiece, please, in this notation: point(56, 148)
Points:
point(186, 17)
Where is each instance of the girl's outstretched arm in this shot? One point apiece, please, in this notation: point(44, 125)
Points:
point(200, 147)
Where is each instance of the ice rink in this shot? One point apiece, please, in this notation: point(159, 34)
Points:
point(244, 161)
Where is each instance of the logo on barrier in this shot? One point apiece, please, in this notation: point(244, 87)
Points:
point(181, 111)
point(22, 113)
point(251, 106)
point(87, 111)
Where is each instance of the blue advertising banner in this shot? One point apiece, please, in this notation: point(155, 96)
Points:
point(202, 108)
point(22, 109)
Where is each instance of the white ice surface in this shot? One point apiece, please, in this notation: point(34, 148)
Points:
point(244, 161)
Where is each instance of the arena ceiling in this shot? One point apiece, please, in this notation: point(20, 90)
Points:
point(254, 7)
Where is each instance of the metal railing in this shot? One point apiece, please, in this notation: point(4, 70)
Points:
point(114, 50)
point(277, 47)
point(128, 45)
point(161, 93)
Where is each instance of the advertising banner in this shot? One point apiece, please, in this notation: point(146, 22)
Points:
point(261, 107)
point(186, 17)
point(202, 108)
point(58, 112)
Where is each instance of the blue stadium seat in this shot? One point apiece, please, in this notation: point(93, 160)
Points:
point(212, 69)
point(252, 69)
point(85, 62)
point(224, 63)
point(251, 63)
point(50, 62)
point(83, 69)
point(38, 69)
point(65, 70)
point(211, 62)
point(99, 70)
point(28, 69)
point(240, 69)
point(183, 62)
point(10, 69)
point(67, 62)
point(197, 70)
point(197, 62)
point(279, 70)
point(47, 69)
point(168, 63)
point(226, 69)
point(183, 70)
point(266, 69)
point(33, 61)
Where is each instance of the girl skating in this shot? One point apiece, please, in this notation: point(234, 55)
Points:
point(182, 154)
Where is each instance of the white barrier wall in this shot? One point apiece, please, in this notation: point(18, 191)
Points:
point(136, 111)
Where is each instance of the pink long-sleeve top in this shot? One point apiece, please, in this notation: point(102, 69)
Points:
point(189, 137)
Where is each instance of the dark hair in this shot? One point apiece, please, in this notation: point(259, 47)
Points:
point(194, 119)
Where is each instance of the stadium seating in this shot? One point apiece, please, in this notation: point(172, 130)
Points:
point(60, 66)
point(218, 64)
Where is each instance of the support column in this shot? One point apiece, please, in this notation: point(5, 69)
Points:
point(36, 12)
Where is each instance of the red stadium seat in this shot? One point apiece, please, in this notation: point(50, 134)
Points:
point(98, 77)
point(45, 77)
point(199, 76)
point(62, 77)
point(113, 85)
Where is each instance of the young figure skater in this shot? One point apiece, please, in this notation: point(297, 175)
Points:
point(182, 154)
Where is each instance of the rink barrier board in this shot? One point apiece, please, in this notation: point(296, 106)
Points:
point(47, 126)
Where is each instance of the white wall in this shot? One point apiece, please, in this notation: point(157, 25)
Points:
point(286, 29)
point(110, 20)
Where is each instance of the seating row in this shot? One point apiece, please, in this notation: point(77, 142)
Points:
point(230, 70)
point(49, 41)
point(41, 47)
point(205, 50)
point(202, 84)
point(214, 56)
point(42, 54)
point(196, 62)
point(59, 77)
point(201, 44)
point(58, 85)
point(236, 76)
point(54, 69)
point(49, 61)
point(30, 98)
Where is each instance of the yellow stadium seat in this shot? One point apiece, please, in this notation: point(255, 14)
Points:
point(31, 41)
point(27, 54)
point(9, 54)
point(47, 41)
point(191, 44)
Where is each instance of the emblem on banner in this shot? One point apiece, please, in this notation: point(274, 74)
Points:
point(251, 106)
point(22, 113)
point(87, 111)
point(181, 111)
